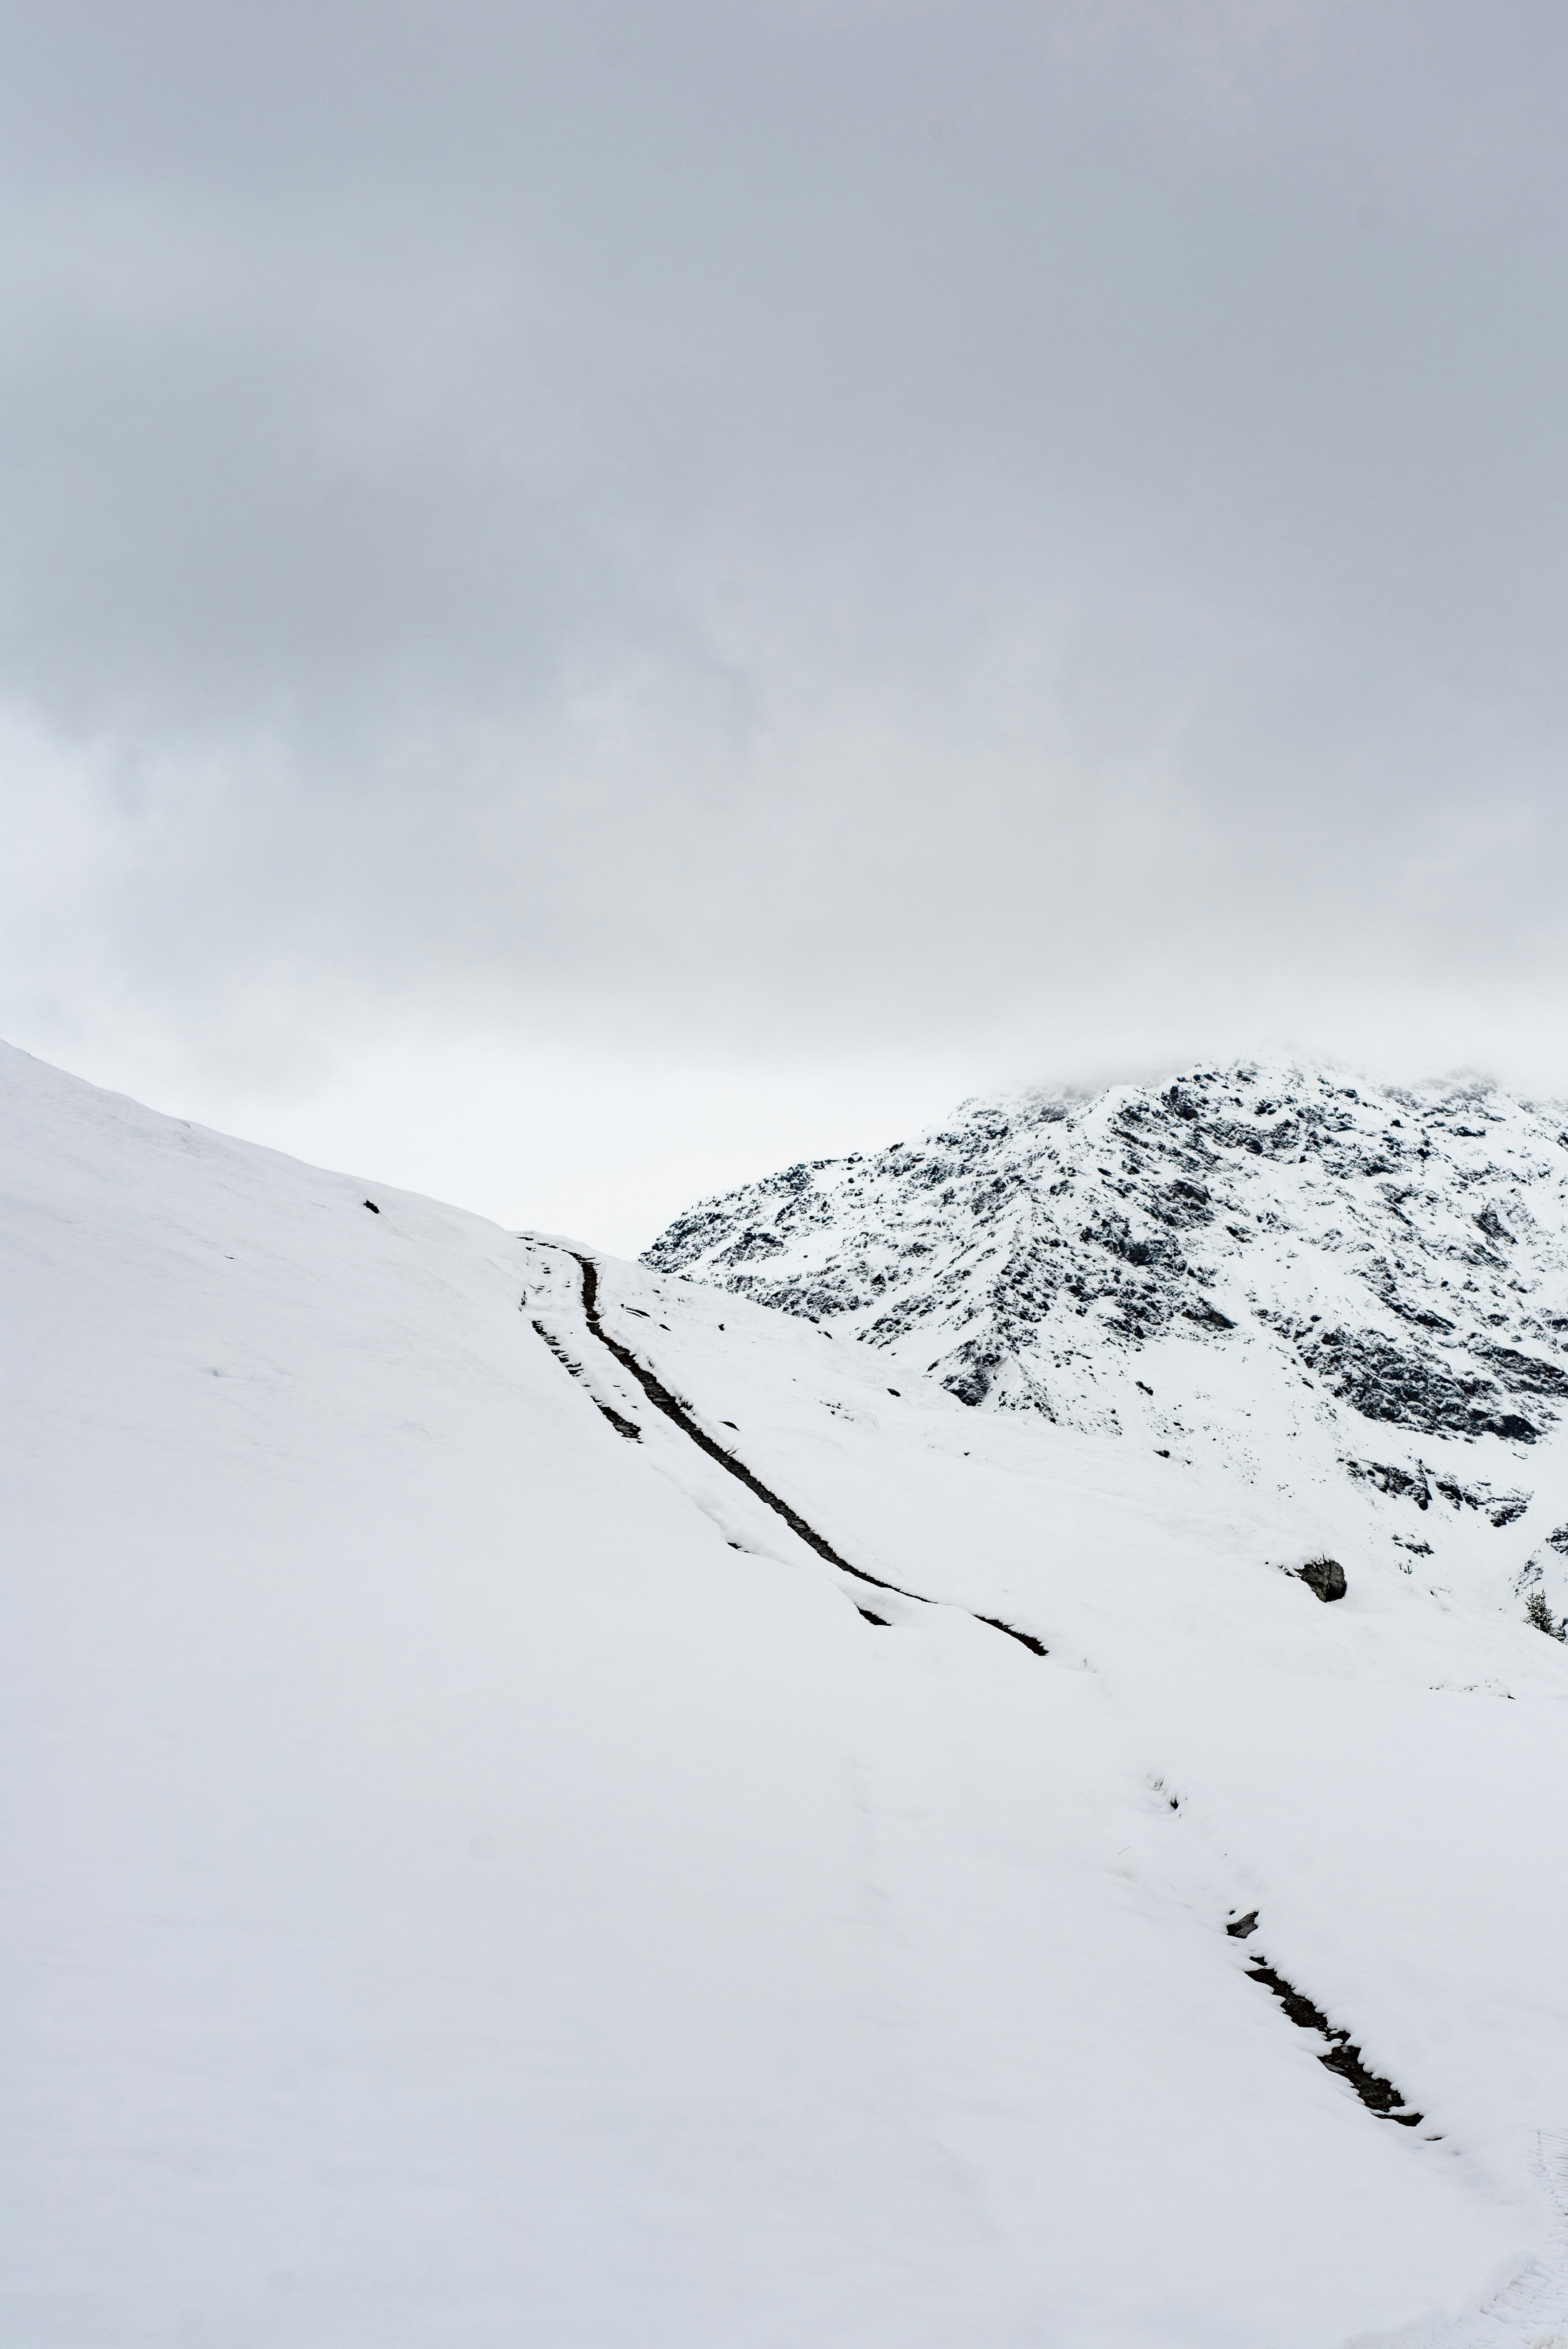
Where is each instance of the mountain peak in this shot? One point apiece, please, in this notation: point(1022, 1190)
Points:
point(1274, 1262)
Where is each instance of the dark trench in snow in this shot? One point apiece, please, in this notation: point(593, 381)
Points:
point(659, 1395)
point(1379, 2096)
point(661, 1398)
point(618, 1421)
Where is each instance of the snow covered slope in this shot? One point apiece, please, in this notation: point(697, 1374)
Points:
point(547, 1803)
point(1307, 1280)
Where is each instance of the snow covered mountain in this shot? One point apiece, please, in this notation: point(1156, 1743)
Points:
point(1307, 1280)
point(549, 1802)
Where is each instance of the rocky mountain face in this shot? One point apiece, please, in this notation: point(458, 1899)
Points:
point(1323, 1281)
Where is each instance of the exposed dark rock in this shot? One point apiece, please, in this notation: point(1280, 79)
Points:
point(1381, 1380)
point(1024, 1639)
point(971, 1378)
point(1114, 1235)
point(755, 1242)
point(1200, 1309)
point(1500, 1508)
point(1231, 1136)
point(1524, 1374)
point(1324, 1577)
point(1379, 1278)
point(1406, 1483)
point(1183, 1203)
point(1379, 2096)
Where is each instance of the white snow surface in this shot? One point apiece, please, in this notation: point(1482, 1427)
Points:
point(473, 1878)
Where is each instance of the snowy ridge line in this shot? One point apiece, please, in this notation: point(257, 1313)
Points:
point(1379, 2096)
point(661, 1398)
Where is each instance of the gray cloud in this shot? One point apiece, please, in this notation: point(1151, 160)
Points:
point(765, 526)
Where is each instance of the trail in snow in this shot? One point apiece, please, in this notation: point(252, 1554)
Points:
point(1379, 2096)
point(618, 1419)
point(661, 1398)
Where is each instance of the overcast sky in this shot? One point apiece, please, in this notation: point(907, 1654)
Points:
point(594, 597)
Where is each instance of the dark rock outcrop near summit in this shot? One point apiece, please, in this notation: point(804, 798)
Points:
point(1383, 1380)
